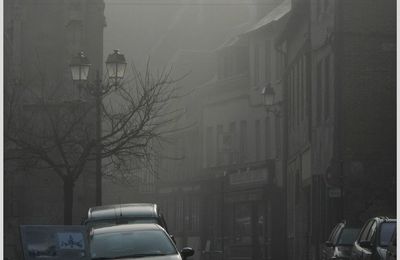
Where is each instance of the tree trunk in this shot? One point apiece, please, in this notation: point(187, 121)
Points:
point(68, 200)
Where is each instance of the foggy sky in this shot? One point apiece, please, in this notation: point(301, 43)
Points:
point(157, 29)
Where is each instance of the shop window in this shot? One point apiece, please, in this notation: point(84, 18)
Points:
point(242, 222)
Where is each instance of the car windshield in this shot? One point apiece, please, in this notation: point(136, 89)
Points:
point(120, 221)
point(348, 236)
point(138, 243)
point(386, 233)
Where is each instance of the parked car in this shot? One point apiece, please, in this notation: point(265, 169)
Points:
point(111, 215)
point(135, 241)
point(374, 238)
point(340, 241)
point(391, 253)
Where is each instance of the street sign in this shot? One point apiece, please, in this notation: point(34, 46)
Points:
point(335, 192)
point(54, 242)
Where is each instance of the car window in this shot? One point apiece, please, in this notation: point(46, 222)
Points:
point(386, 233)
point(365, 230)
point(120, 221)
point(100, 224)
point(137, 243)
point(336, 234)
point(348, 236)
point(371, 233)
point(334, 231)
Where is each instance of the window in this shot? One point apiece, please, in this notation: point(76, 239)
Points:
point(278, 136)
point(334, 231)
point(256, 64)
point(233, 150)
point(304, 85)
point(268, 137)
point(371, 233)
point(220, 150)
point(257, 139)
point(243, 140)
point(195, 214)
point(292, 83)
point(348, 236)
point(242, 220)
point(267, 61)
point(386, 233)
point(319, 92)
point(364, 232)
point(297, 187)
point(297, 93)
point(289, 83)
point(327, 100)
point(179, 214)
point(301, 94)
point(318, 8)
point(209, 145)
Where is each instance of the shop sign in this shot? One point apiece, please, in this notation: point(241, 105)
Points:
point(248, 177)
point(335, 192)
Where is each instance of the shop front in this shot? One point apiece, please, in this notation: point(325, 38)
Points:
point(248, 214)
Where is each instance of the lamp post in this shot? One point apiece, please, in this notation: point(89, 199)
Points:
point(80, 66)
point(278, 107)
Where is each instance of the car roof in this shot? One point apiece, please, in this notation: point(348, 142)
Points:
point(385, 219)
point(123, 210)
point(127, 227)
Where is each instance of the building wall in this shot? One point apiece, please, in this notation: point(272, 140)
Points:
point(295, 42)
point(39, 48)
point(366, 45)
point(322, 17)
point(353, 84)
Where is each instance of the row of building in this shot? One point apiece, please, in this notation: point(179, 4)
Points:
point(246, 180)
point(237, 179)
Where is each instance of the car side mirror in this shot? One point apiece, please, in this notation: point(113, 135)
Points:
point(365, 243)
point(186, 252)
point(328, 243)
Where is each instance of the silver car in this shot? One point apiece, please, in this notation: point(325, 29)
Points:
point(135, 241)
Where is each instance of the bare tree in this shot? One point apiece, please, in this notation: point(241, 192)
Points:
point(60, 135)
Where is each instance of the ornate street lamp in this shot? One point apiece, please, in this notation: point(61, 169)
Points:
point(116, 65)
point(270, 104)
point(80, 67)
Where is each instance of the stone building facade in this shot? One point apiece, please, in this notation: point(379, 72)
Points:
point(40, 39)
point(346, 97)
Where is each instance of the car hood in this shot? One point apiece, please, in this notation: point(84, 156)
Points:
point(162, 257)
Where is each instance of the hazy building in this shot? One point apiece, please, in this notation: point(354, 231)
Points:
point(294, 42)
point(267, 63)
point(354, 111)
point(40, 39)
point(339, 87)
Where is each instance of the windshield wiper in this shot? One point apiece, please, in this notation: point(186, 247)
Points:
point(138, 255)
point(102, 258)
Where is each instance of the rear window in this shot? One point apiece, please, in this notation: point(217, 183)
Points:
point(348, 236)
point(386, 233)
point(113, 222)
